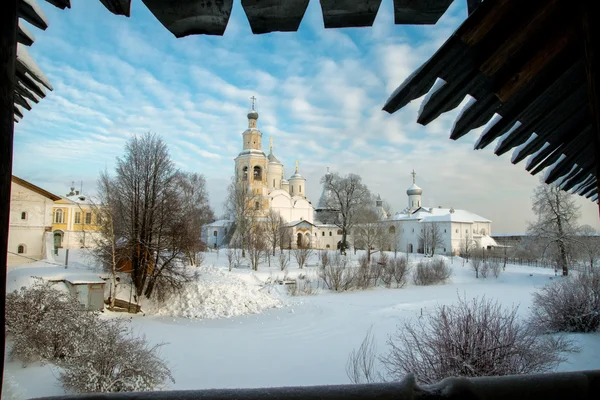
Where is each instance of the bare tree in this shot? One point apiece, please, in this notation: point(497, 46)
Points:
point(274, 224)
point(256, 244)
point(241, 204)
point(302, 252)
point(588, 242)
point(283, 259)
point(431, 238)
point(106, 247)
point(556, 224)
point(466, 247)
point(360, 366)
point(368, 230)
point(347, 195)
point(194, 203)
point(148, 216)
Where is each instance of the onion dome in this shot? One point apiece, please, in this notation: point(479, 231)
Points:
point(253, 115)
point(414, 190)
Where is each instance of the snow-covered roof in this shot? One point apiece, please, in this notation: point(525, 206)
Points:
point(220, 223)
point(25, 276)
point(82, 199)
point(296, 222)
point(425, 214)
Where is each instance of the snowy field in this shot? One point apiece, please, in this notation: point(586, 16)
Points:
point(269, 338)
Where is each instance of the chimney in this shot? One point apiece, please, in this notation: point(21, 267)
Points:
point(77, 193)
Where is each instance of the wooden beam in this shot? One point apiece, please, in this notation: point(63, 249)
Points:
point(592, 63)
point(118, 7)
point(551, 49)
point(192, 17)
point(419, 12)
point(349, 13)
point(472, 5)
point(267, 16)
point(8, 56)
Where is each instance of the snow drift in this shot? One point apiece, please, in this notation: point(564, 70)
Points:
point(216, 294)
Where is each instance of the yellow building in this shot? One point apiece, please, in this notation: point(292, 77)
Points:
point(75, 222)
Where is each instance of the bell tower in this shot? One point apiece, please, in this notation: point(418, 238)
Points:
point(251, 164)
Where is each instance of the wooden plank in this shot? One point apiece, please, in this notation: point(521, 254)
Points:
point(450, 95)
point(23, 38)
point(472, 5)
point(22, 102)
point(551, 49)
point(477, 115)
point(62, 4)
point(29, 84)
point(118, 7)
point(30, 15)
point(419, 83)
point(484, 19)
point(556, 112)
point(349, 13)
point(521, 35)
point(8, 55)
point(419, 12)
point(192, 17)
point(542, 155)
point(25, 93)
point(574, 146)
point(592, 63)
point(555, 132)
point(533, 103)
point(267, 16)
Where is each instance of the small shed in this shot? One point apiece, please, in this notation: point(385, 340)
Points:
point(88, 290)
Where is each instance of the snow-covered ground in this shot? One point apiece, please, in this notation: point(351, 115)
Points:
point(283, 340)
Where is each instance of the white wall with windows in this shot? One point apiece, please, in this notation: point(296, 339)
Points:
point(30, 220)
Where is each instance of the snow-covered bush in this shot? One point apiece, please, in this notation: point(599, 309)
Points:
point(302, 287)
point(396, 270)
point(476, 265)
point(476, 338)
point(360, 366)
point(401, 270)
point(338, 278)
point(495, 267)
point(431, 273)
point(95, 354)
point(114, 360)
point(45, 323)
point(568, 304)
point(485, 269)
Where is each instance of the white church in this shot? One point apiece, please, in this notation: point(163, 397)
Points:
point(266, 178)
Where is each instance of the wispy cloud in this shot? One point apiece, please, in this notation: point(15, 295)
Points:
point(320, 94)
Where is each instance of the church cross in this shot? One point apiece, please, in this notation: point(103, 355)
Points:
point(414, 175)
point(296, 165)
point(271, 144)
point(253, 100)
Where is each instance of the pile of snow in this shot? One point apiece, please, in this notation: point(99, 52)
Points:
point(216, 294)
point(29, 274)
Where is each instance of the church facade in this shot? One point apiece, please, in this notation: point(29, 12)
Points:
point(265, 177)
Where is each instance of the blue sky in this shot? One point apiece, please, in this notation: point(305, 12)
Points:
point(320, 94)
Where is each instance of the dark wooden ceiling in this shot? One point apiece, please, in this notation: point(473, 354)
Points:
point(522, 60)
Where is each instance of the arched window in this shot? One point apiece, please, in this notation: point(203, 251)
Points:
point(292, 188)
point(273, 182)
point(257, 173)
point(23, 215)
point(323, 233)
point(256, 205)
point(413, 230)
point(300, 189)
point(330, 233)
point(327, 247)
point(215, 233)
point(339, 232)
point(392, 229)
point(245, 173)
point(59, 216)
point(21, 249)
